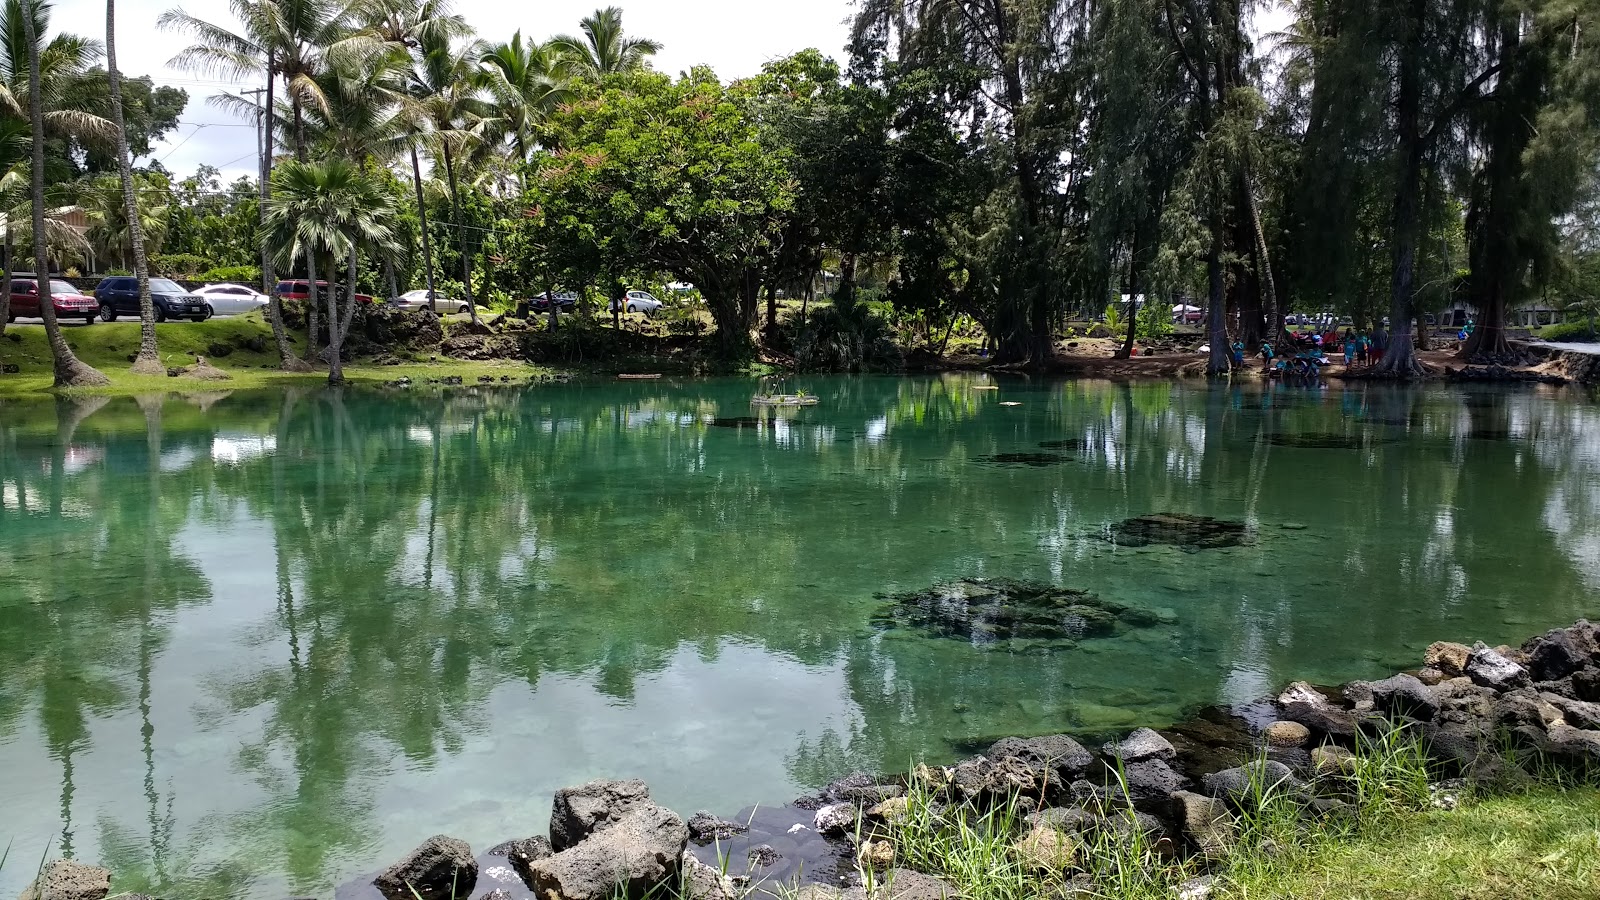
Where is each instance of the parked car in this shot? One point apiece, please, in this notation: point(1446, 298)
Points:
point(418, 299)
point(231, 299)
point(638, 301)
point(565, 301)
point(64, 299)
point(119, 295)
point(300, 289)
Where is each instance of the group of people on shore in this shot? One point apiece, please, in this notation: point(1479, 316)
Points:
point(1359, 348)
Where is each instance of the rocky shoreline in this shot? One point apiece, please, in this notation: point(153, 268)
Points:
point(1481, 714)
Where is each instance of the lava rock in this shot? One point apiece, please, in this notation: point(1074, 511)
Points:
point(1150, 781)
point(440, 869)
point(1066, 819)
point(65, 879)
point(702, 882)
point(835, 819)
point(1404, 695)
point(1447, 657)
point(1239, 784)
point(1045, 849)
point(583, 810)
point(1286, 734)
point(635, 853)
point(904, 884)
point(523, 854)
point(1187, 532)
point(1561, 652)
point(1493, 669)
point(705, 828)
point(1206, 823)
point(1053, 760)
point(1577, 713)
point(1332, 760)
point(1524, 707)
point(762, 856)
point(1141, 744)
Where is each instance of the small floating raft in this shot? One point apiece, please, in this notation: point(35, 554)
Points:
point(651, 377)
point(784, 400)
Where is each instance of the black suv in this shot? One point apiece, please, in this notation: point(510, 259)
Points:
point(119, 295)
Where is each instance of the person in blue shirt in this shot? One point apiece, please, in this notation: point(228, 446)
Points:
point(1349, 351)
point(1238, 354)
point(1266, 357)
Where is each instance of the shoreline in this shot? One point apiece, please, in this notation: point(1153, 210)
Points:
point(1184, 795)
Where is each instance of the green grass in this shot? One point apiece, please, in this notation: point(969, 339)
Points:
point(108, 345)
point(1388, 842)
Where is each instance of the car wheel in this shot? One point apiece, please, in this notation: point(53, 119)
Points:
point(464, 309)
point(161, 314)
point(209, 313)
point(107, 314)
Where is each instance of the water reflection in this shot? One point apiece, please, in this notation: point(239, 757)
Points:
point(256, 642)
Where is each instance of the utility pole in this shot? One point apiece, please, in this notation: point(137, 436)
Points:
point(263, 168)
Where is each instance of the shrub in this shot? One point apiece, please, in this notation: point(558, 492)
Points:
point(238, 274)
point(853, 340)
point(1570, 331)
point(177, 265)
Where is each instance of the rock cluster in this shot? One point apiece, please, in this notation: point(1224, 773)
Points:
point(1017, 616)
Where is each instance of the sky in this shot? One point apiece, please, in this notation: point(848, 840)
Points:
point(734, 37)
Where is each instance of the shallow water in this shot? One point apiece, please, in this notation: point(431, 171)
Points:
point(258, 644)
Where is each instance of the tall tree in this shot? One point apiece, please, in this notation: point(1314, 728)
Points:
point(69, 370)
point(148, 360)
point(445, 95)
point(604, 48)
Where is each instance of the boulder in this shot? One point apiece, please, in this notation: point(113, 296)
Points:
point(65, 879)
point(1066, 819)
point(1577, 713)
point(762, 856)
point(441, 869)
point(1559, 653)
point(878, 855)
point(1403, 695)
point(699, 881)
point(1302, 692)
point(1052, 760)
point(1462, 745)
point(1523, 707)
point(1573, 745)
point(705, 828)
point(1240, 785)
point(835, 820)
point(1140, 745)
point(634, 854)
point(1321, 717)
point(1198, 888)
point(1586, 684)
point(861, 788)
point(583, 810)
point(904, 884)
point(1286, 734)
point(1331, 760)
point(1045, 849)
point(523, 854)
point(1150, 780)
point(1447, 657)
point(891, 810)
point(1206, 823)
point(1430, 677)
point(1493, 669)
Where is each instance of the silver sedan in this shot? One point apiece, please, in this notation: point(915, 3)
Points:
point(231, 299)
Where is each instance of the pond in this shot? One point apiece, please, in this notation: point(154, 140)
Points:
point(258, 644)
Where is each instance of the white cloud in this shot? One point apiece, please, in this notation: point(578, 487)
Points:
point(734, 37)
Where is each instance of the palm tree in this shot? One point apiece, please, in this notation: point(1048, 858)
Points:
point(70, 371)
point(111, 232)
point(328, 209)
point(604, 49)
point(445, 96)
point(284, 39)
point(148, 361)
point(527, 82)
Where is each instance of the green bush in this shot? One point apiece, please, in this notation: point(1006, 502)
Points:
point(240, 274)
point(854, 340)
point(1570, 331)
point(177, 265)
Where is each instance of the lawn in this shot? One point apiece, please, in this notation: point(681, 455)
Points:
point(109, 347)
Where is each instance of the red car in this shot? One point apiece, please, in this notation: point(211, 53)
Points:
point(300, 289)
point(68, 303)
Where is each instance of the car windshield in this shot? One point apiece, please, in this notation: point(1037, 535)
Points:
point(166, 286)
point(61, 287)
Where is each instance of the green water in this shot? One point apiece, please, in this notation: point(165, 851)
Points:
point(255, 645)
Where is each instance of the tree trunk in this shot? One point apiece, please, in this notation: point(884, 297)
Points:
point(389, 276)
point(1220, 359)
point(1399, 359)
point(1133, 299)
point(5, 277)
point(311, 303)
point(339, 326)
point(69, 371)
point(427, 240)
point(461, 236)
point(348, 315)
point(844, 296)
point(1254, 331)
point(148, 361)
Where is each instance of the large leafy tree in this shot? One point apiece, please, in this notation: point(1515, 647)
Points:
point(668, 176)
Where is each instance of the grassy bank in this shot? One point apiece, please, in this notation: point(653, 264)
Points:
point(1394, 832)
point(247, 355)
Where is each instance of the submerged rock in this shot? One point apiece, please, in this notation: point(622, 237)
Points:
point(1324, 440)
point(736, 422)
point(1181, 530)
point(1018, 614)
point(1033, 460)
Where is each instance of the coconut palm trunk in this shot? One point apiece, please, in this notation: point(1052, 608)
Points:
point(461, 237)
point(148, 361)
point(427, 241)
point(335, 366)
point(5, 278)
point(69, 370)
point(287, 361)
